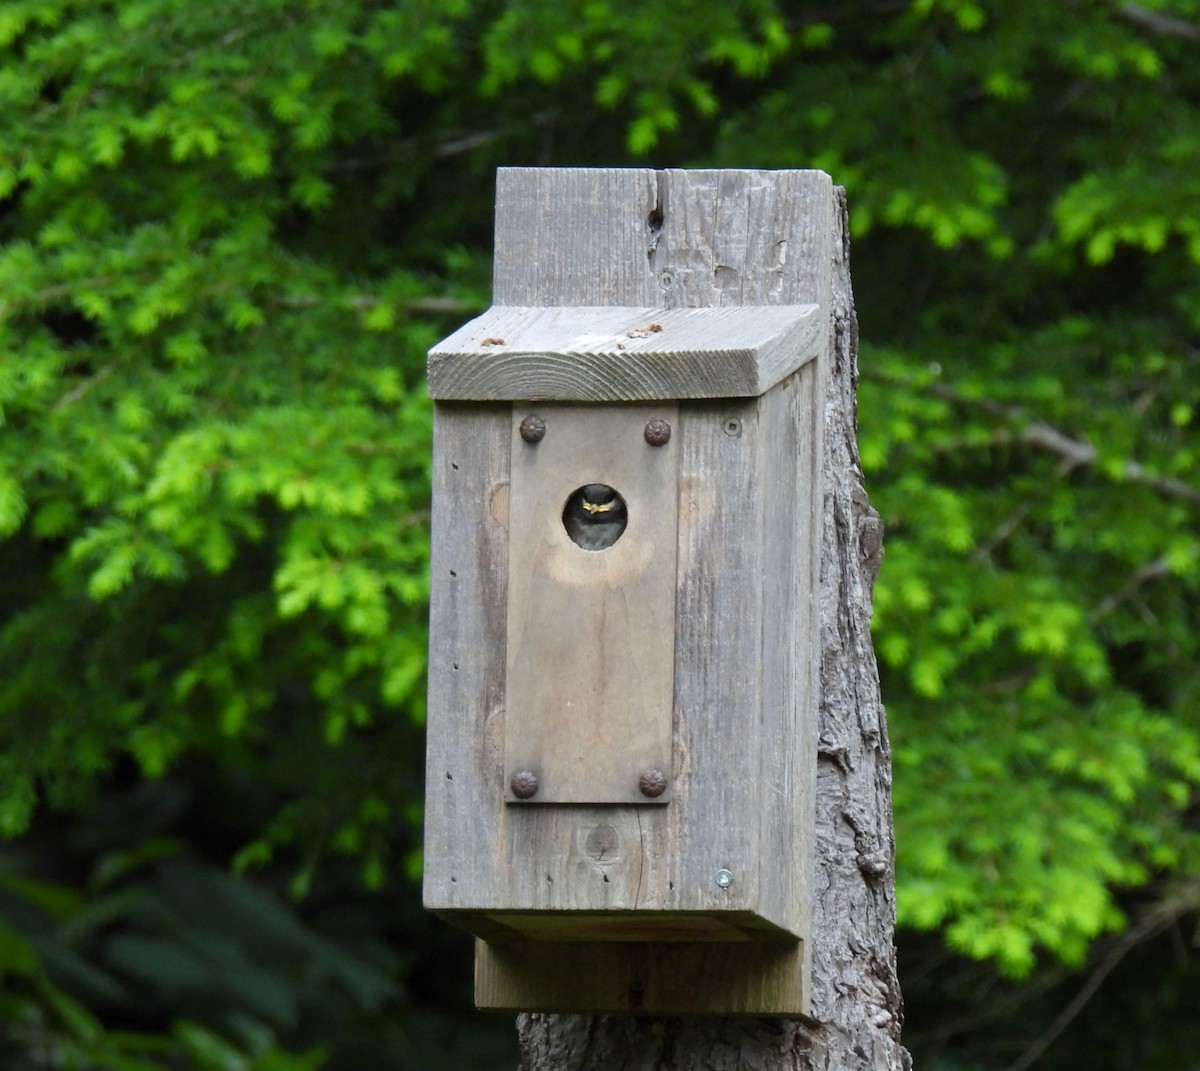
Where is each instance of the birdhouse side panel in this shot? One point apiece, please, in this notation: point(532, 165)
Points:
point(468, 597)
point(790, 669)
point(718, 654)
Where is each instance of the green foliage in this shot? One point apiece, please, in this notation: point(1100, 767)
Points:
point(228, 234)
point(156, 932)
point(215, 473)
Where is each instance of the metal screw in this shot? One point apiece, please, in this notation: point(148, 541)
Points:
point(666, 279)
point(658, 433)
point(724, 878)
point(652, 783)
point(524, 784)
point(533, 428)
point(732, 426)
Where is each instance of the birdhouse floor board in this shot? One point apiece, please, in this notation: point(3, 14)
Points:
point(634, 926)
point(649, 978)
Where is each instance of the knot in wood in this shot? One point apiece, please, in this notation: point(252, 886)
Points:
point(658, 433)
point(524, 784)
point(533, 428)
point(652, 783)
point(603, 844)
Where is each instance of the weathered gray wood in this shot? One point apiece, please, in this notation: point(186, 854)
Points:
point(791, 677)
point(469, 558)
point(581, 928)
point(596, 354)
point(732, 534)
point(723, 725)
point(733, 237)
point(547, 255)
point(755, 237)
point(591, 634)
point(708, 978)
point(651, 872)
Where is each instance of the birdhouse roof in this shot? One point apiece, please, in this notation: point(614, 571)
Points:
point(616, 353)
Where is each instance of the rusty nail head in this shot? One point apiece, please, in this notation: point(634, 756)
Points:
point(652, 783)
point(658, 433)
point(533, 428)
point(524, 784)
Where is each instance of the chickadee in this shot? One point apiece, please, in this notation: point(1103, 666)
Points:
point(595, 516)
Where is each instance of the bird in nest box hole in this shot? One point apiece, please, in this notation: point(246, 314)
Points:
point(595, 516)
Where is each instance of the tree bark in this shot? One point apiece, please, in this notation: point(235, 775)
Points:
point(856, 1004)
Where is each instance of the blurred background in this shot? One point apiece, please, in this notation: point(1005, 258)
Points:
point(229, 232)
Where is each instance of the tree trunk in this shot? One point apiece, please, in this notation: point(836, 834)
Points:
point(731, 238)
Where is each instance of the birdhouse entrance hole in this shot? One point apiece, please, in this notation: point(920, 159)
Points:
point(595, 516)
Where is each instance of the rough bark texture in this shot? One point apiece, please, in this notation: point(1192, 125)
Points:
point(856, 1003)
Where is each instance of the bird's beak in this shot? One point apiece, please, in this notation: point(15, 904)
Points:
point(597, 507)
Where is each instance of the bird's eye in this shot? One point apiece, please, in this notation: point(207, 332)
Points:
point(595, 516)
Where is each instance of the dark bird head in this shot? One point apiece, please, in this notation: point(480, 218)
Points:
point(595, 516)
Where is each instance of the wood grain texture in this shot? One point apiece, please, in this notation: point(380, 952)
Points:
point(718, 672)
point(582, 237)
point(468, 595)
point(735, 237)
point(589, 927)
point(711, 978)
point(790, 639)
point(590, 633)
point(597, 354)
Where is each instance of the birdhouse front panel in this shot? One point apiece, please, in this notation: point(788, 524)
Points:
point(591, 604)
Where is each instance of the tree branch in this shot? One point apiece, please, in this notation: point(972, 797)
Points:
point(1160, 917)
point(53, 293)
point(451, 143)
point(433, 303)
point(1158, 22)
point(1015, 519)
point(78, 392)
point(1036, 433)
point(1079, 452)
point(1151, 571)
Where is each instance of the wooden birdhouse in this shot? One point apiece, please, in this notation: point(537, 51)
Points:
point(623, 668)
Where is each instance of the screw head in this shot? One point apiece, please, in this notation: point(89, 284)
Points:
point(666, 279)
point(524, 784)
point(724, 878)
point(533, 428)
point(732, 426)
point(658, 433)
point(652, 783)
